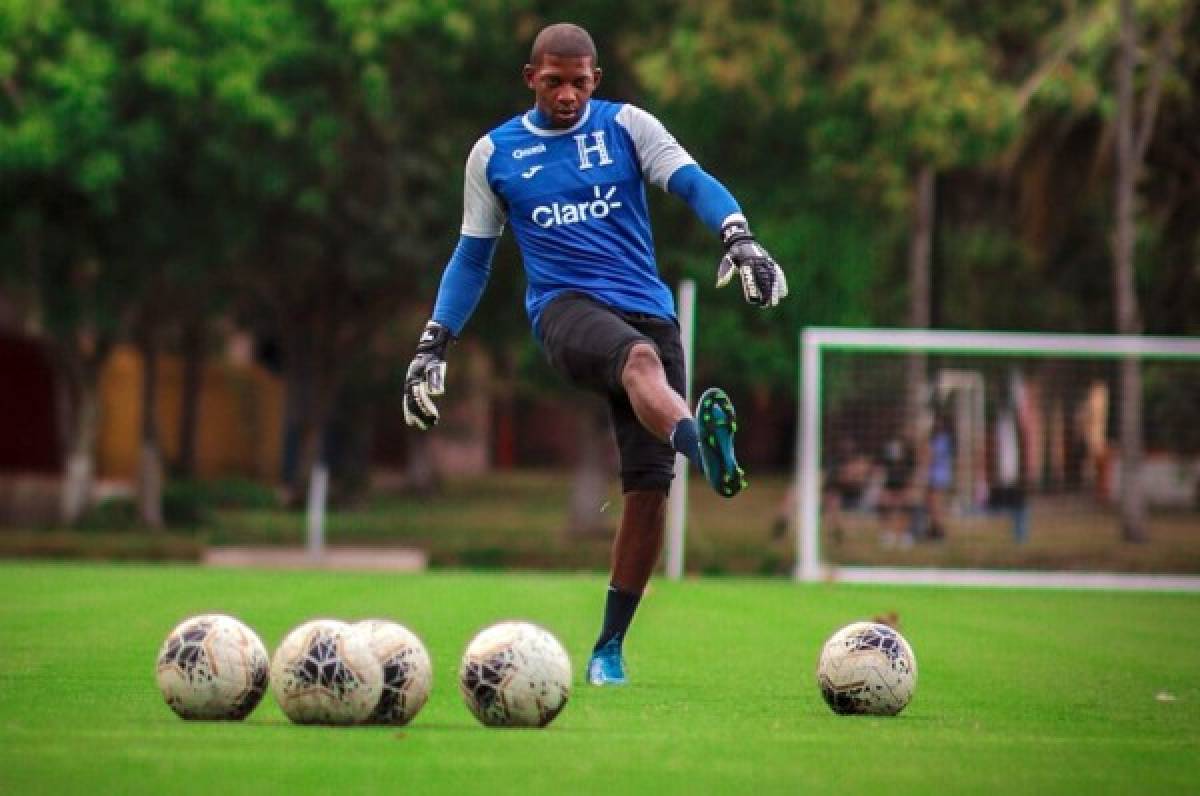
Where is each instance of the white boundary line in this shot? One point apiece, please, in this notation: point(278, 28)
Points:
point(1014, 578)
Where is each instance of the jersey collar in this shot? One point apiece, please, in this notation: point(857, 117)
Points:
point(531, 126)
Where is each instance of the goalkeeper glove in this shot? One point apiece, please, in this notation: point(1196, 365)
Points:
point(426, 376)
point(763, 282)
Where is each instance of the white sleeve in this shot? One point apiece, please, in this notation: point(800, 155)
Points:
point(657, 150)
point(483, 212)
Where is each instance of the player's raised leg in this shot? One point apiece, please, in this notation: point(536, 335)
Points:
point(706, 439)
point(652, 412)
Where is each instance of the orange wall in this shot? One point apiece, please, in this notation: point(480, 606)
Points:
point(240, 429)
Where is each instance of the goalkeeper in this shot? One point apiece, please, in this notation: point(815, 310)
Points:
point(569, 177)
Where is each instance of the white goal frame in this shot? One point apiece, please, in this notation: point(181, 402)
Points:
point(815, 340)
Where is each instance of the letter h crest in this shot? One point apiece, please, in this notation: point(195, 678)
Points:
point(585, 151)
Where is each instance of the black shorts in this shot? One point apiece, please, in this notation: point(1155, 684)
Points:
point(589, 342)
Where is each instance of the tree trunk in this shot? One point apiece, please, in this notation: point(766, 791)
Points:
point(311, 454)
point(504, 412)
point(420, 476)
point(79, 478)
point(298, 386)
point(77, 394)
point(920, 257)
point(589, 488)
point(312, 425)
point(1133, 510)
point(150, 471)
point(193, 383)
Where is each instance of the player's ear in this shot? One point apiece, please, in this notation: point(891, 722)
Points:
point(596, 73)
point(527, 73)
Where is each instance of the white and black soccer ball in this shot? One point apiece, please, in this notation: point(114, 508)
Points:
point(212, 666)
point(325, 673)
point(515, 674)
point(867, 668)
point(407, 671)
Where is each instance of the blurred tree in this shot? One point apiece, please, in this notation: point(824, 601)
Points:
point(757, 66)
point(64, 150)
point(1134, 127)
point(862, 106)
point(120, 111)
point(302, 161)
point(1097, 119)
point(187, 231)
point(342, 149)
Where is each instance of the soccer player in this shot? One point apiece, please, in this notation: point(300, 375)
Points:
point(569, 175)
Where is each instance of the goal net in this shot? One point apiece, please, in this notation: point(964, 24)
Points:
point(997, 457)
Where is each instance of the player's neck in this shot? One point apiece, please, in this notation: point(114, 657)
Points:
point(542, 121)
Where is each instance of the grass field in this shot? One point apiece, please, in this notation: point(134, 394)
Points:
point(1019, 691)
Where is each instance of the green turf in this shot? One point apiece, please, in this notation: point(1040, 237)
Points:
point(1020, 691)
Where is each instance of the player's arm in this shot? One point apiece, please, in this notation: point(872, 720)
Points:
point(462, 286)
point(763, 282)
point(668, 165)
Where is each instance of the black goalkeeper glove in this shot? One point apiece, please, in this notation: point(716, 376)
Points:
point(763, 282)
point(426, 376)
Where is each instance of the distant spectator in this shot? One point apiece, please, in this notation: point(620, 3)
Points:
point(1007, 491)
point(1091, 423)
point(843, 482)
point(897, 464)
point(940, 476)
point(846, 480)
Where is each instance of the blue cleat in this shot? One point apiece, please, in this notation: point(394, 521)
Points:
point(607, 666)
point(716, 422)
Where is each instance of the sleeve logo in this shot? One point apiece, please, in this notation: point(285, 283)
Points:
point(536, 149)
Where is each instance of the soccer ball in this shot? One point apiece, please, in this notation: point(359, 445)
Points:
point(515, 674)
point(325, 673)
point(407, 672)
point(867, 668)
point(212, 667)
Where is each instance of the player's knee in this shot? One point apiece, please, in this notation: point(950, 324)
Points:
point(652, 480)
point(641, 362)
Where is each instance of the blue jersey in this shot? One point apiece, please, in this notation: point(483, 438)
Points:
point(576, 201)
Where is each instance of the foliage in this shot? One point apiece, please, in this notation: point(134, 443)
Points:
point(299, 164)
point(187, 504)
point(99, 545)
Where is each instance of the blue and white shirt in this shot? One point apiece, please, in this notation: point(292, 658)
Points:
point(576, 200)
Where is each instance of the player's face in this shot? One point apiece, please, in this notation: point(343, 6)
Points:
point(561, 86)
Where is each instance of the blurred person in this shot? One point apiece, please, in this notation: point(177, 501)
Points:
point(569, 176)
point(1091, 424)
point(1007, 493)
point(843, 483)
point(897, 465)
point(940, 476)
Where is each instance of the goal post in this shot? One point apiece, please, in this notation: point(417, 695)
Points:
point(676, 523)
point(1019, 418)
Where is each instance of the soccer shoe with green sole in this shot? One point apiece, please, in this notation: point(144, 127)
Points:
point(716, 421)
point(607, 666)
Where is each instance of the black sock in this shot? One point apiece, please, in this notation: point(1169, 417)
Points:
point(686, 440)
point(619, 607)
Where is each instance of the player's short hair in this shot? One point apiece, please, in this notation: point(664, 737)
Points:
point(563, 39)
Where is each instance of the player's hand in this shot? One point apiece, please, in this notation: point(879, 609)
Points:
point(763, 282)
point(426, 376)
